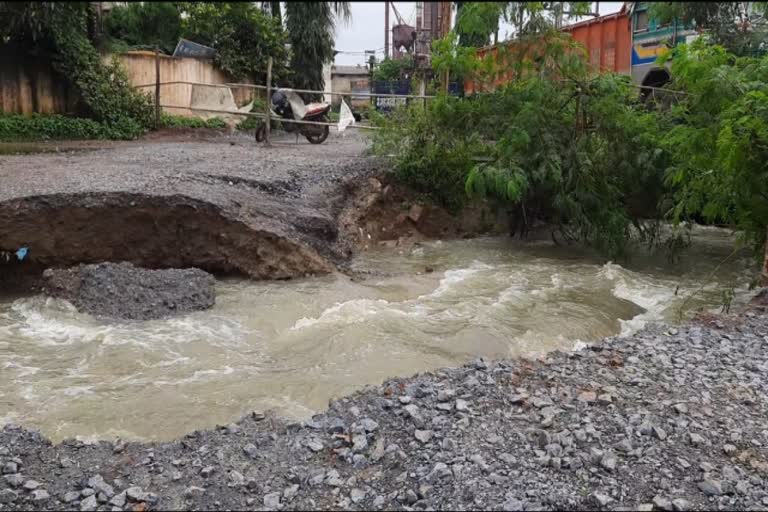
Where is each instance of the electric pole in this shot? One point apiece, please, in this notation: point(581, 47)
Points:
point(386, 30)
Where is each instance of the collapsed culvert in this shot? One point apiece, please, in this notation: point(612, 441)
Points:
point(63, 230)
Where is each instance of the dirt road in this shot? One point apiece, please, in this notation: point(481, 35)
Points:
point(223, 203)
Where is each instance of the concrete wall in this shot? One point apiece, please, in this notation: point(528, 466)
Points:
point(344, 83)
point(341, 83)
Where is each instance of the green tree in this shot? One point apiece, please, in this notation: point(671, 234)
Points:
point(537, 17)
point(557, 144)
point(741, 27)
point(145, 24)
point(274, 10)
point(719, 139)
point(476, 21)
point(311, 27)
point(242, 34)
point(391, 69)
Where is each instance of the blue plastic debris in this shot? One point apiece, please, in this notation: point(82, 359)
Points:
point(22, 253)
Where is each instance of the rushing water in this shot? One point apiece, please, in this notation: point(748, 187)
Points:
point(294, 345)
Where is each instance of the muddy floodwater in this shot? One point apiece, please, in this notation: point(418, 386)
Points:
point(293, 345)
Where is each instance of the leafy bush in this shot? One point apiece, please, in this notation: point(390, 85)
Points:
point(251, 123)
point(390, 69)
point(174, 121)
point(242, 34)
point(61, 29)
point(144, 24)
point(17, 127)
point(719, 139)
point(577, 151)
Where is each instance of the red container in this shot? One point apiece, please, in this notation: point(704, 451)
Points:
point(607, 40)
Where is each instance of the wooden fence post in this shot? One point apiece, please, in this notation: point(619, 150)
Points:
point(157, 88)
point(268, 127)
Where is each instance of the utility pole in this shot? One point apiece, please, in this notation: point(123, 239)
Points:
point(157, 87)
point(268, 127)
point(386, 30)
point(371, 63)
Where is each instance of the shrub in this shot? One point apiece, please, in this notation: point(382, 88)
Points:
point(17, 127)
point(174, 121)
point(579, 152)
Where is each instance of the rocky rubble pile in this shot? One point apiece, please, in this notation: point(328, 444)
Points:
point(668, 419)
point(122, 290)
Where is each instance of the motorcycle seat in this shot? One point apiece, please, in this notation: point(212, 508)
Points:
point(315, 108)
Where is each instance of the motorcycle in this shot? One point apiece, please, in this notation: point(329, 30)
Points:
point(289, 105)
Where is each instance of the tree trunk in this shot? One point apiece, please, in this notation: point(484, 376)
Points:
point(274, 10)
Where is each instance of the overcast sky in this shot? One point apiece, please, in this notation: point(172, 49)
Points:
point(366, 29)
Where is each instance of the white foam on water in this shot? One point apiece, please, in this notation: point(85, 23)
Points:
point(197, 376)
point(349, 312)
point(28, 393)
point(53, 322)
point(515, 294)
point(579, 346)
point(171, 362)
point(24, 371)
point(453, 277)
point(630, 286)
point(74, 391)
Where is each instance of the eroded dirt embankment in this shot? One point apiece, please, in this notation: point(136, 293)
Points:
point(175, 231)
point(225, 205)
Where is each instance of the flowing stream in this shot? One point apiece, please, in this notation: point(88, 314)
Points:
point(294, 345)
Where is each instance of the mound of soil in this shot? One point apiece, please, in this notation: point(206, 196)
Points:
point(121, 290)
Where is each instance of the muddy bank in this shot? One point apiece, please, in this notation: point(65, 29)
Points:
point(158, 232)
point(668, 419)
point(224, 205)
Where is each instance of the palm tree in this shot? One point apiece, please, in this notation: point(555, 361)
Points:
point(311, 29)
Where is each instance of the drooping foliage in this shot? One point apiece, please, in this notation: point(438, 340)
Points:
point(144, 24)
point(242, 34)
point(718, 139)
point(529, 18)
point(311, 28)
point(61, 31)
point(557, 144)
point(476, 21)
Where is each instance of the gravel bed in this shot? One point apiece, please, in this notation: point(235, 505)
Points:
point(667, 419)
point(121, 290)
